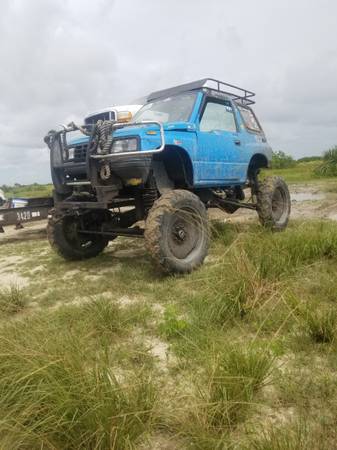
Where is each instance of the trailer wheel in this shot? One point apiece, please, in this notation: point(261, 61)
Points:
point(176, 232)
point(273, 203)
point(64, 238)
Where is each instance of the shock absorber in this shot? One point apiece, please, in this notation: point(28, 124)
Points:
point(149, 196)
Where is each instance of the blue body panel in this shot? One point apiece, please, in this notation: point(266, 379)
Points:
point(219, 158)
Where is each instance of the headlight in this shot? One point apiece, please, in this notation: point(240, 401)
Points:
point(68, 154)
point(124, 145)
point(71, 153)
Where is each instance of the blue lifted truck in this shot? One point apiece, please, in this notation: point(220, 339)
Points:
point(189, 148)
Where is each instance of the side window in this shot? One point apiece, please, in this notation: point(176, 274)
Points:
point(249, 119)
point(218, 116)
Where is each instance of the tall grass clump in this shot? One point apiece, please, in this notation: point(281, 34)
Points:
point(59, 390)
point(328, 168)
point(236, 376)
point(320, 324)
point(103, 318)
point(12, 300)
point(286, 437)
point(227, 393)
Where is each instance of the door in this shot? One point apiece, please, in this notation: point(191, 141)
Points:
point(220, 158)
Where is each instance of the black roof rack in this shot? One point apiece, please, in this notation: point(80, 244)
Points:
point(236, 93)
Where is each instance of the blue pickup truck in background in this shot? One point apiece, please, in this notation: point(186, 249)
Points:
point(189, 148)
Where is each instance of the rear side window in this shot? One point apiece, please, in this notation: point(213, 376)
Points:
point(250, 119)
point(218, 116)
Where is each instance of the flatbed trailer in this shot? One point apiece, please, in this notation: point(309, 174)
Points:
point(35, 209)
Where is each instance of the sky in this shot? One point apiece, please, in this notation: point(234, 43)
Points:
point(60, 59)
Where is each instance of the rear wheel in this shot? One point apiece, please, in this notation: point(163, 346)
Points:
point(273, 203)
point(176, 232)
point(65, 238)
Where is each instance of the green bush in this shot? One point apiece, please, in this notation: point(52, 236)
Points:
point(328, 168)
point(281, 160)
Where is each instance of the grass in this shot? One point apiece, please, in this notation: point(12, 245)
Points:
point(61, 389)
point(110, 354)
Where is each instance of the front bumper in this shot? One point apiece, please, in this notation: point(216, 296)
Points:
point(85, 168)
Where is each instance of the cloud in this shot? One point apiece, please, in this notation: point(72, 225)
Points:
point(61, 59)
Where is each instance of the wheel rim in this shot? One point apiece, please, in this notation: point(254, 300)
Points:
point(71, 232)
point(279, 205)
point(185, 234)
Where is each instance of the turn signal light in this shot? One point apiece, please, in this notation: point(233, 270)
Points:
point(124, 116)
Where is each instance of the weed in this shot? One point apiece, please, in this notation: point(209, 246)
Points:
point(12, 300)
point(172, 326)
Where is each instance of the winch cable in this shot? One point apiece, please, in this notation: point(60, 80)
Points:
point(102, 136)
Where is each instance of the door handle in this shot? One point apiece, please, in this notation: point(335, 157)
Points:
point(237, 142)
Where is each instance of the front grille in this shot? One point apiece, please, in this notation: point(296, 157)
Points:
point(92, 120)
point(80, 153)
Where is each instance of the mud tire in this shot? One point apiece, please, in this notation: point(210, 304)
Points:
point(177, 232)
point(273, 203)
point(63, 238)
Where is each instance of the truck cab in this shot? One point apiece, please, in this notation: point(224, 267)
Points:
point(196, 136)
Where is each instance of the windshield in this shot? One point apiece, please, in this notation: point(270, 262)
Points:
point(170, 109)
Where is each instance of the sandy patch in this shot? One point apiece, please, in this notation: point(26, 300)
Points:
point(71, 274)
point(12, 279)
point(8, 276)
point(34, 230)
point(160, 351)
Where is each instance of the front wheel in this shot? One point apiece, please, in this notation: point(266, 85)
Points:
point(273, 203)
point(65, 238)
point(176, 232)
